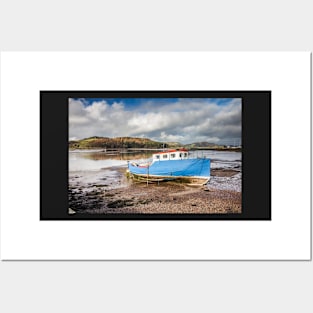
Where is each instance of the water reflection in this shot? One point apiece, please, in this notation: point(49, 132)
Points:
point(97, 160)
point(115, 156)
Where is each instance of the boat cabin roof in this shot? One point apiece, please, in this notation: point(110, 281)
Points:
point(171, 151)
point(171, 155)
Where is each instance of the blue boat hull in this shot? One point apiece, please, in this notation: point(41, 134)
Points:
point(187, 168)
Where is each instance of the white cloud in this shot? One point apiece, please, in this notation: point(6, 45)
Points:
point(171, 138)
point(185, 121)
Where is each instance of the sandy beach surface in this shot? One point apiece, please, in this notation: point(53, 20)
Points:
point(110, 192)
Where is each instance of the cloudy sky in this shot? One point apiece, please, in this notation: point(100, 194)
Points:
point(183, 120)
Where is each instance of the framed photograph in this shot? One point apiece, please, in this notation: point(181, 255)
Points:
point(156, 155)
point(83, 135)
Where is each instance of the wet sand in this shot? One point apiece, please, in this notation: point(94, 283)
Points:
point(104, 197)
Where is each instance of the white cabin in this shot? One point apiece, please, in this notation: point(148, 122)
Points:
point(171, 155)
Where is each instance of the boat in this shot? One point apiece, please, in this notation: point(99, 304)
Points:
point(172, 165)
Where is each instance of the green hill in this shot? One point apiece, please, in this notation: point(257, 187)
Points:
point(203, 144)
point(117, 143)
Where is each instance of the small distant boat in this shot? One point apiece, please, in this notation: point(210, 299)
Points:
point(173, 165)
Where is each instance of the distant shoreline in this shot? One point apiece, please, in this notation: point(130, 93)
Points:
point(122, 150)
point(145, 143)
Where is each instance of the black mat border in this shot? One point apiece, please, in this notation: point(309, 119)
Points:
point(256, 154)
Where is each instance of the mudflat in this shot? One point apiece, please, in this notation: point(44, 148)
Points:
point(163, 198)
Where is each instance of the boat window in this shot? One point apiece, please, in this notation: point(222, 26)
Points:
point(173, 155)
point(164, 156)
point(185, 154)
point(180, 155)
point(157, 156)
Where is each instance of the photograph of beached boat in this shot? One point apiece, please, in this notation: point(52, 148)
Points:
point(155, 156)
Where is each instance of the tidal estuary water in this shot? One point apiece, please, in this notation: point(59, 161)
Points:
point(95, 168)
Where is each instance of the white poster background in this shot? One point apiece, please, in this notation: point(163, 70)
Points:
point(285, 237)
